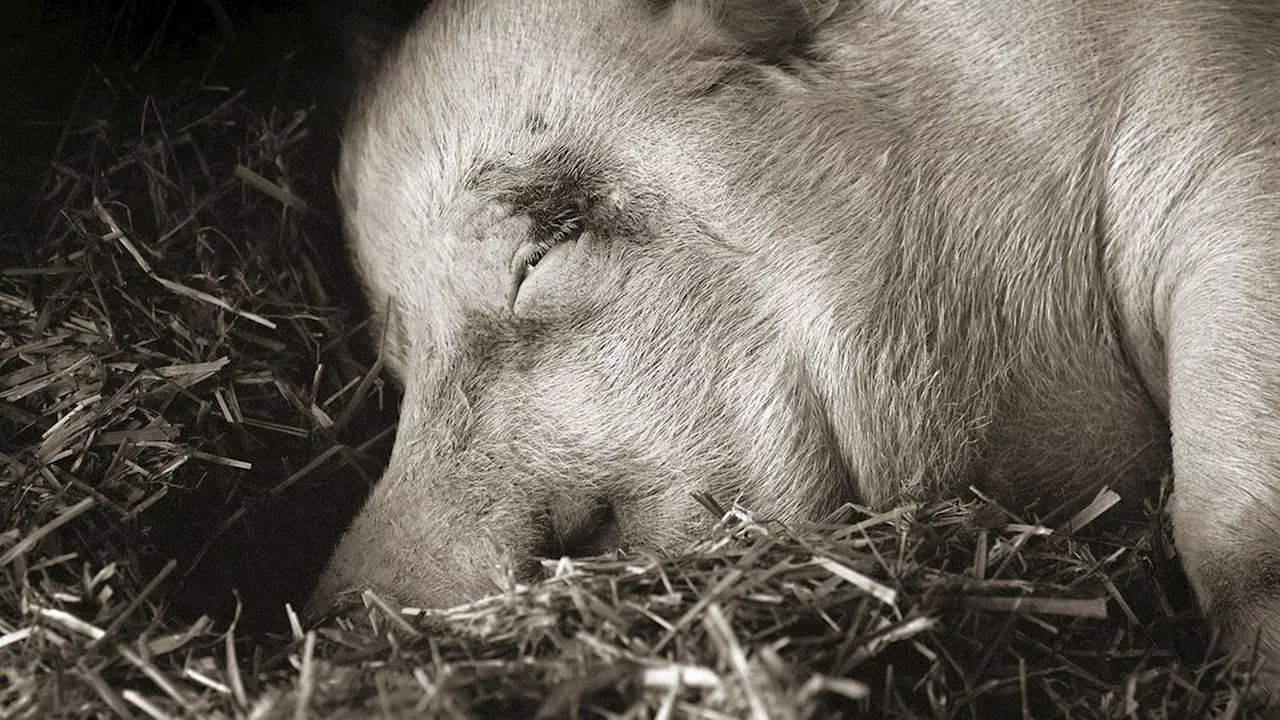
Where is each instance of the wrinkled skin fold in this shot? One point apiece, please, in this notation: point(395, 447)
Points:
point(799, 253)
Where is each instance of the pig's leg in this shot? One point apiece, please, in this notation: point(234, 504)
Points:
point(1217, 301)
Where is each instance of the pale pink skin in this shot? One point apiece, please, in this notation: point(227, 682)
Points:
point(799, 253)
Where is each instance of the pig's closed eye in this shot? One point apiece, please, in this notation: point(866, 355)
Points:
point(529, 255)
point(555, 232)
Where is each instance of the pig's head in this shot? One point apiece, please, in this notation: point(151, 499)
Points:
point(597, 285)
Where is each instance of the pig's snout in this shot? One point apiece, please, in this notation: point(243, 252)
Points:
point(440, 554)
point(392, 557)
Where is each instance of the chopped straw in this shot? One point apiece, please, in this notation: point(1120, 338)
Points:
point(188, 401)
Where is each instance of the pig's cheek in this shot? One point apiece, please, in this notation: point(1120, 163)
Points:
point(571, 279)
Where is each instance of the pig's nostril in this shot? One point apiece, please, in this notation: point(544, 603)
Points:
point(578, 530)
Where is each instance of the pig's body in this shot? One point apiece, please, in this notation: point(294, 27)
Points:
point(810, 252)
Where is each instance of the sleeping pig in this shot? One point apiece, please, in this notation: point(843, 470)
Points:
point(803, 252)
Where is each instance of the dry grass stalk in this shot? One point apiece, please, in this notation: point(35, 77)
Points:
point(167, 335)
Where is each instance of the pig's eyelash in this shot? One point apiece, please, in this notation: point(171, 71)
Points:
point(567, 226)
point(528, 256)
point(562, 230)
point(538, 251)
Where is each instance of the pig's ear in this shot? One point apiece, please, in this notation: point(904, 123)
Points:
point(767, 29)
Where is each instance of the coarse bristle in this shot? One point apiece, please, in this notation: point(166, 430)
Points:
point(189, 403)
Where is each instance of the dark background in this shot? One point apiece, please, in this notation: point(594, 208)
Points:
point(63, 62)
point(54, 53)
